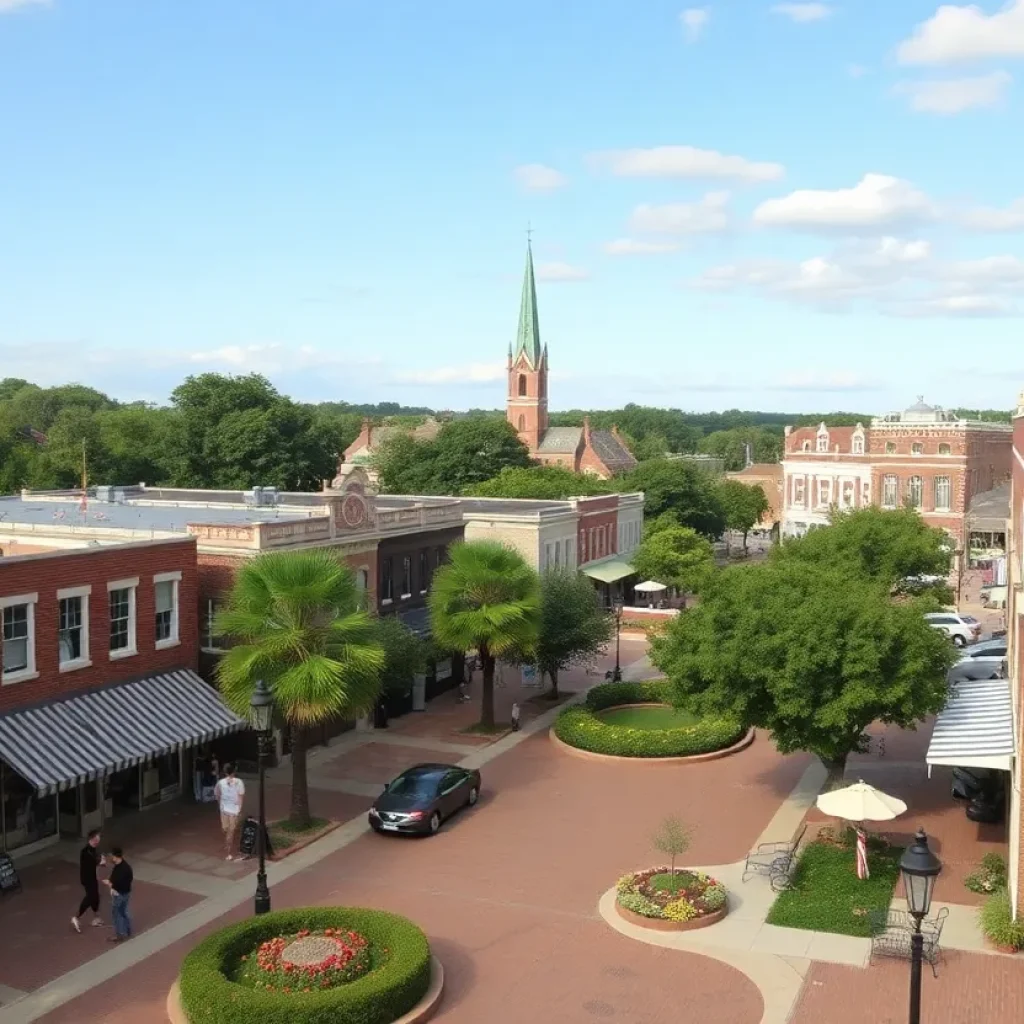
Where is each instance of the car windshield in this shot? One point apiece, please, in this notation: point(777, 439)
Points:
point(415, 784)
point(970, 619)
point(986, 650)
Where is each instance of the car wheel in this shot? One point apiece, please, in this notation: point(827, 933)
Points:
point(959, 641)
point(435, 823)
point(473, 796)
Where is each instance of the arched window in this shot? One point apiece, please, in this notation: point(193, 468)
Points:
point(522, 385)
point(807, 446)
point(522, 423)
point(944, 449)
point(915, 492)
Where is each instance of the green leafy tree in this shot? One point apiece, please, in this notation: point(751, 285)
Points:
point(731, 445)
point(471, 450)
point(486, 597)
point(404, 654)
point(673, 485)
point(549, 483)
point(661, 522)
point(297, 623)
point(574, 628)
point(886, 545)
point(651, 446)
point(812, 653)
point(676, 556)
point(673, 839)
point(744, 505)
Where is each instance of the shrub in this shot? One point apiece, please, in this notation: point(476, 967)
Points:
point(581, 725)
point(680, 910)
point(715, 896)
point(398, 981)
point(990, 876)
point(681, 896)
point(997, 921)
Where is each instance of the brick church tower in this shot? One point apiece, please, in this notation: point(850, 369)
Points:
point(527, 403)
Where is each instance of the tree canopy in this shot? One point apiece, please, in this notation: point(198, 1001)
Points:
point(676, 556)
point(671, 485)
point(549, 483)
point(405, 654)
point(743, 504)
point(811, 652)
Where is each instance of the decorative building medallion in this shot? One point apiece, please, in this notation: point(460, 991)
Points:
point(353, 511)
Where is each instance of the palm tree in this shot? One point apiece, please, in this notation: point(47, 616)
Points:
point(486, 597)
point(298, 623)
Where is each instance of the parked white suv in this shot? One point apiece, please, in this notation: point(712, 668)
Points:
point(961, 629)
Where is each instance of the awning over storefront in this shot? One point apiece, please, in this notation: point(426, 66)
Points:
point(609, 570)
point(60, 745)
point(976, 728)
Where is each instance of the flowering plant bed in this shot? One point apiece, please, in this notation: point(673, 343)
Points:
point(307, 961)
point(662, 898)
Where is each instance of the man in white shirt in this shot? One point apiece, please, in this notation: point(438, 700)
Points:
point(230, 794)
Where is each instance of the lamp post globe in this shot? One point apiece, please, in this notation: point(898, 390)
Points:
point(261, 717)
point(919, 867)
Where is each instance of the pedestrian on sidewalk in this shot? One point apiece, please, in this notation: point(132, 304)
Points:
point(230, 793)
point(89, 860)
point(120, 885)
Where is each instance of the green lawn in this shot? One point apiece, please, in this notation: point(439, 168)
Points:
point(827, 895)
point(657, 716)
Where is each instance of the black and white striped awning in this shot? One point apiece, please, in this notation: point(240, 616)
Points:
point(975, 730)
point(59, 745)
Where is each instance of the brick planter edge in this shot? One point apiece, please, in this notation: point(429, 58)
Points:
point(659, 924)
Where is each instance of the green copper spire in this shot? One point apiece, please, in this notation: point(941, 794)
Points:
point(528, 336)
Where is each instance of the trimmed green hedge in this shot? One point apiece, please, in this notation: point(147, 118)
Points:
point(582, 726)
point(398, 982)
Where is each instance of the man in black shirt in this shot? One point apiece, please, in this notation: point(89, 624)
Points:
point(120, 883)
point(89, 860)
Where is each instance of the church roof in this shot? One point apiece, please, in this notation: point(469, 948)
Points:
point(611, 451)
point(560, 440)
point(528, 334)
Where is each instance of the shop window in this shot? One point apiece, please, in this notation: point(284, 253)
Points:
point(424, 575)
point(387, 585)
point(27, 817)
point(406, 577)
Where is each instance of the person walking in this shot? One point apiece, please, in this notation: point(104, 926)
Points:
point(120, 885)
point(89, 860)
point(230, 794)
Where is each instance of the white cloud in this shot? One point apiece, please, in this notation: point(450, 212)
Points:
point(7, 6)
point(876, 201)
point(955, 95)
point(988, 218)
point(694, 21)
point(685, 162)
point(561, 272)
point(992, 271)
point(803, 12)
point(636, 247)
point(474, 373)
point(540, 178)
point(708, 215)
point(956, 34)
point(968, 306)
point(857, 70)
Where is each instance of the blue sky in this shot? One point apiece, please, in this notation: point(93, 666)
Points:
point(796, 206)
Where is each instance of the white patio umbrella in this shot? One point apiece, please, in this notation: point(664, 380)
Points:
point(649, 587)
point(859, 803)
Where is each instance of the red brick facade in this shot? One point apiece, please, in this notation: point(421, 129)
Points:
point(42, 575)
point(598, 528)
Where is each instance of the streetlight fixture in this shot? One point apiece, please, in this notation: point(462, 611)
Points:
point(919, 867)
point(261, 717)
point(617, 607)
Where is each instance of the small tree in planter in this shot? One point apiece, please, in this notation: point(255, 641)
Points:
point(673, 840)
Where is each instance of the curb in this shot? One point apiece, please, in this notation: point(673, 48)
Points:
point(660, 924)
point(589, 755)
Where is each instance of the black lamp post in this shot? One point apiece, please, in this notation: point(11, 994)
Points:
point(261, 717)
point(919, 867)
point(617, 607)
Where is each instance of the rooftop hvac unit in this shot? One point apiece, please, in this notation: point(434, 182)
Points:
point(270, 496)
point(253, 497)
point(120, 497)
point(105, 493)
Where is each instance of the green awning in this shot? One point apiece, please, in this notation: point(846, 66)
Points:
point(609, 570)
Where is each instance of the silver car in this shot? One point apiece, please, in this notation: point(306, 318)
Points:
point(986, 660)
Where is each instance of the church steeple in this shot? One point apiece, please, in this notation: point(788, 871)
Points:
point(528, 335)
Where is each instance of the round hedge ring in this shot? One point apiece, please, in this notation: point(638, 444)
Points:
point(671, 901)
point(635, 720)
point(312, 965)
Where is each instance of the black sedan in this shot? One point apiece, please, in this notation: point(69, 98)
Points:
point(419, 799)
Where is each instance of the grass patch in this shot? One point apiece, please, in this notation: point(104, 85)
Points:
point(283, 834)
point(827, 895)
point(654, 717)
point(666, 881)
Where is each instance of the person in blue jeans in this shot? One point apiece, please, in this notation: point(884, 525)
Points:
point(120, 885)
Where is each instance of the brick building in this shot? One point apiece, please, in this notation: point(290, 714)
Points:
point(580, 449)
point(769, 477)
point(924, 457)
point(99, 696)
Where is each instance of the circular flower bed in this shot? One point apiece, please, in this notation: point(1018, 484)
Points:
point(582, 726)
point(682, 899)
point(316, 965)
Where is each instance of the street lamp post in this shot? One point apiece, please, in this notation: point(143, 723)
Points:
point(617, 606)
point(919, 867)
point(261, 708)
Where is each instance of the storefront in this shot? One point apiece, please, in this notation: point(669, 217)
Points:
point(68, 766)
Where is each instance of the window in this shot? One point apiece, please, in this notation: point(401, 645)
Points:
point(165, 592)
point(406, 577)
point(824, 492)
point(18, 638)
point(890, 447)
point(942, 494)
point(849, 491)
point(917, 448)
point(944, 449)
point(807, 446)
point(858, 444)
point(387, 586)
point(73, 627)
point(212, 642)
point(799, 487)
point(547, 557)
point(424, 577)
point(522, 385)
point(522, 423)
point(822, 445)
point(890, 491)
point(121, 599)
point(915, 491)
